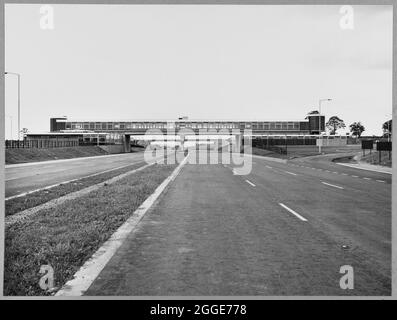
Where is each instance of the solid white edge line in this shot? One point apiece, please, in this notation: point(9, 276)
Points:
point(69, 181)
point(27, 164)
point(86, 275)
point(249, 182)
point(331, 185)
point(72, 180)
point(293, 212)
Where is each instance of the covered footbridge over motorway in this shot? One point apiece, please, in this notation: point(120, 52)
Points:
point(185, 139)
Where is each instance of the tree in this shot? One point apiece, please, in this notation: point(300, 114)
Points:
point(356, 128)
point(387, 127)
point(334, 123)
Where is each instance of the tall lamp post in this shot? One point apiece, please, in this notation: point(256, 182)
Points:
point(19, 100)
point(11, 125)
point(388, 126)
point(319, 122)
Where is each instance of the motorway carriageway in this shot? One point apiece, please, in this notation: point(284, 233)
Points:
point(284, 229)
point(27, 177)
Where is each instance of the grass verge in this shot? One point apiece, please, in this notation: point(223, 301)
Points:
point(65, 237)
point(304, 151)
point(373, 158)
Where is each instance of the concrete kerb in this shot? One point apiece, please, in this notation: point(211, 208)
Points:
point(367, 167)
point(363, 165)
point(85, 276)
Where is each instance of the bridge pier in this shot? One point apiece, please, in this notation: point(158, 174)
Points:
point(237, 145)
point(127, 143)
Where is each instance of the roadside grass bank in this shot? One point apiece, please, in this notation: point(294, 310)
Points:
point(66, 236)
point(34, 199)
point(21, 155)
point(369, 158)
point(373, 158)
point(304, 151)
point(267, 153)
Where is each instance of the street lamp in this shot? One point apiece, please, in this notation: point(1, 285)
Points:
point(388, 126)
point(11, 125)
point(319, 103)
point(319, 112)
point(19, 100)
point(319, 121)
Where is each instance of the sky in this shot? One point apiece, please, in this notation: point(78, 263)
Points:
point(116, 62)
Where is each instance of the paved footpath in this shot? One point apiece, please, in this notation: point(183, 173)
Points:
point(216, 233)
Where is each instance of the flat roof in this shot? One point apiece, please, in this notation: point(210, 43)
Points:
point(188, 120)
point(62, 133)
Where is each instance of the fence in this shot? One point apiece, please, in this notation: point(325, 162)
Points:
point(268, 142)
point(41, 143)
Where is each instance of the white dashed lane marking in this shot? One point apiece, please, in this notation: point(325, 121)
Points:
point(380, 180)
point(332, 185)
point(367, 178)
point(250, 183)
point(293, 212)
point(290, 173)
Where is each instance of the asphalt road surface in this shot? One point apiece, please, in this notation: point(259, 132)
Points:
point(284, 229)
point(28, 177)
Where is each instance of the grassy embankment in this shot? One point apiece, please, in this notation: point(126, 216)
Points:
point(373, 158)
point(20, 155)
point(66, 236)
point(304, 151)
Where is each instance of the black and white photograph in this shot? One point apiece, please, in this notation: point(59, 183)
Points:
point(197, 150)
